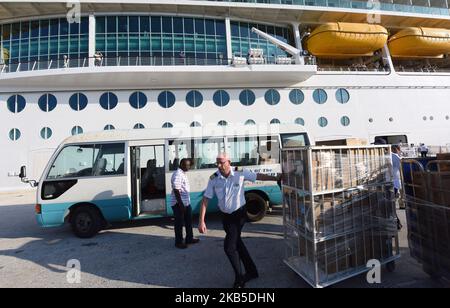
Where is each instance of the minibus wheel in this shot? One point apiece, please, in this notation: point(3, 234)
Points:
point(256, 206)
point(86, 221)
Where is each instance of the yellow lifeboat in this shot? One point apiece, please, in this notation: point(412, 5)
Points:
point(419, 42)
point(346, 40)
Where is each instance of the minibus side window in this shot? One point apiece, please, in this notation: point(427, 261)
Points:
point(294, 140)
point(72, 162)
point(203, 152)
point(110, 159)
point(251, 151)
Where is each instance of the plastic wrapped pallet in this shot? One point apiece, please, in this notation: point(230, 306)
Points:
point(427, 199)
point(339, 211)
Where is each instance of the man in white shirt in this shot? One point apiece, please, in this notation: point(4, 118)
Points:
point(228, 186)
point(180, 201)
point(423, 149)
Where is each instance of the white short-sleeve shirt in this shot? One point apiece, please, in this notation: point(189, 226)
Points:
point(180, 181)
point(229, 191)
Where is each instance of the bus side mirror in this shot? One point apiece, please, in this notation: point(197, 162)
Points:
point(23, 172)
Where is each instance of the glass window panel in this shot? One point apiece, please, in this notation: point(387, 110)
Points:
point(156, 24)
point(34, 31)
point(44, 28)
point(122, 24)
point(74, 28)
point(188, 25)
point(54, 24)
point(111, 24)
point(210, 27)
point(178, 25)
point(73, 161)
point(144, 24)
point(133, 24)
point(25, 29)
point(167, 24)
point(199, 26)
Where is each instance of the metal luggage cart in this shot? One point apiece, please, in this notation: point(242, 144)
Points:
point(426, 190)
point(338, 211)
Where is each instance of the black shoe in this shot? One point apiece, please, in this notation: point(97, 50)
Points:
point(250, 276)
point(181, 246)
point(193, 241)
point(239, 283)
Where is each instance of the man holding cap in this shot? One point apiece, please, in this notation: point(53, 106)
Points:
point(228, 186)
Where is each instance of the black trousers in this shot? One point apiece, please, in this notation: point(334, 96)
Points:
point(234, 246)
point(181, 219)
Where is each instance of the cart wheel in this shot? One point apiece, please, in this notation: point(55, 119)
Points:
point(390, 267)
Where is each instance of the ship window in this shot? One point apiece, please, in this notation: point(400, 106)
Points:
point(78, 101)
point(138, 100)
point(16, 103)
point(247, 97)
point(166, 99)
point(167, 125)
point(431, 118)
point(447, 117)
point(76, 130)
point(139, 126)
point(300, 121)
point(342, 96)
point(323, 122)
point(222, 123)
point(275, 121)
point(108, 101)
point(320, 96)
point(250, 122)
point(109, 127)
point(296, 97)
point(391, 119)
point(370, 120)
point(221, 98)
point(424, 118)
point(195, 124)
point(194, 98)
point(14, 134)
point(272, 97)
point(47, 102)
point(46, 133)
point(345, 121)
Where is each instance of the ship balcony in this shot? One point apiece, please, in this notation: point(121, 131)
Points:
point(151, 72)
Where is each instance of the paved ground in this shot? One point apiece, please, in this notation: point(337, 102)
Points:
point(142, 255)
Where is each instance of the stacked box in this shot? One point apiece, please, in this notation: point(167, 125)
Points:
point(338, 202)
point(427, 194)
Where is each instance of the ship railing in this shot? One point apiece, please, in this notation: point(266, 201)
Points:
point(424, 69)
point(352, 69)
point(99, 61)
point(423, 8)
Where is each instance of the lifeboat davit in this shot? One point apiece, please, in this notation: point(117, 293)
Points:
point(346, 40)
point(420, 42)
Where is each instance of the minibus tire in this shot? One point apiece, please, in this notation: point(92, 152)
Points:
point(86, 222)
point(256, 207)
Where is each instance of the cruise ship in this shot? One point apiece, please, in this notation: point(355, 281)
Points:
point(376, 70)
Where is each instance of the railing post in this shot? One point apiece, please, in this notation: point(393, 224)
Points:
point(92, 48)
point(228, 39)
